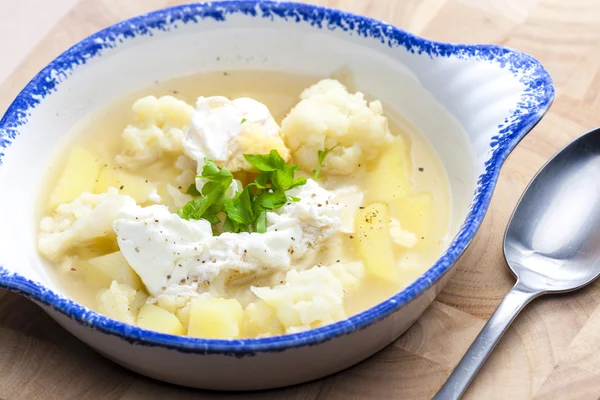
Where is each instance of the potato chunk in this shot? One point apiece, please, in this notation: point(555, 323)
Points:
point(79, 175)
point(116, 267)
point(390, 179)
point(127, 184)
point(374, 242)
point(215, 318)
point(155, 318)
point(93, 276)
point(414, 213)
point(260, 320)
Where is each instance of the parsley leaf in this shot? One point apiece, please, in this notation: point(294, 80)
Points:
point(284, 178)
point(239, 208)
point(193, 191)
point(263, 180)
point(228, 225)
point(216, 174)
point(321, 155)
point(243, 120)
point(211, 217)
point(196, 208)
point(280, 179)
point(271, 200)
point(247, 210)
point(266, 162)
point(210, 169)
point(260, 225)
point(297, 182)
point(211, 203)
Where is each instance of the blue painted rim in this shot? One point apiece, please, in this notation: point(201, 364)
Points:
point(535, 101)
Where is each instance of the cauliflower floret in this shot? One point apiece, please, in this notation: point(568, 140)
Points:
point(180, 199)
point(308, 299)
point(224, 130)
point(117, 302)
point(88, 217)
point(349, 274)
point(329, 116)
point(188, 167)
point(158, 128)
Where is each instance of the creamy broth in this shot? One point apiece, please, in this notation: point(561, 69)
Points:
point(100, 133)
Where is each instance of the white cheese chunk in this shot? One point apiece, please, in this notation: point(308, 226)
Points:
point(223, 130)
point(166, 250)
point(155, 243)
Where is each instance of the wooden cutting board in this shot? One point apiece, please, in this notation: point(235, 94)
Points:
point(552, 349)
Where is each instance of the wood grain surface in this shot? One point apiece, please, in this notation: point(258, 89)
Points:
point(552, 351)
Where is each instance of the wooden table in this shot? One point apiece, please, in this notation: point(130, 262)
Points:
point(551, 351)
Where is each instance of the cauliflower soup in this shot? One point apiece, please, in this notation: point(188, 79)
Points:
point(242, 204)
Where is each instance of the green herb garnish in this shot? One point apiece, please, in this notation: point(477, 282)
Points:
point(243, 120)
point(274, 172)
point(321, 155)
point(266, 162)
point(211, 203)
point(193, 191)
point(247, 210)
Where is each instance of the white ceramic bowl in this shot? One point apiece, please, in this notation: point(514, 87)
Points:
point(472, 102)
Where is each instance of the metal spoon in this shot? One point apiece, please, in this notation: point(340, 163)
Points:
point(552, 245)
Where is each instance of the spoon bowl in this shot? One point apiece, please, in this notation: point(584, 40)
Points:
point(552, 245)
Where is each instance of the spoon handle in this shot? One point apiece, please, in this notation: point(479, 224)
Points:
point(518, 297)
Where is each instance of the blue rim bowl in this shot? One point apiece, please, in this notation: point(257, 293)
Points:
point(535, 101)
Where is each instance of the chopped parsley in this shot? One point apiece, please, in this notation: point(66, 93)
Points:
point(211, 202)
point(243, 120)
point(247, 210)
point(193, 191)
point(321, 155)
